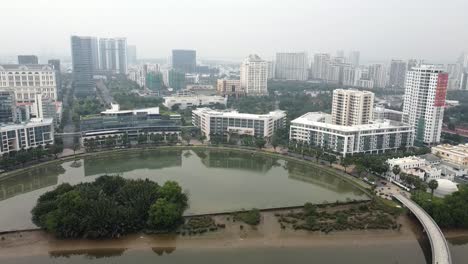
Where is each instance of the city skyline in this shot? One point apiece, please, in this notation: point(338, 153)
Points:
point(194, 24)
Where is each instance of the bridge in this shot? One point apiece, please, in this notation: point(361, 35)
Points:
point(439, 246)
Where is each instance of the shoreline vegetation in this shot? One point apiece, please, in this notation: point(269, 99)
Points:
point(220, 230)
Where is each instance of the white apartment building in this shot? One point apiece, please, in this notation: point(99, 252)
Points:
point(424, 102)
point(254, 75)
point(28, 80)
point(36, 132)
point(317, 129)
point(184, 101)
point(292, 66)
point(225, 122)
point(352, 107)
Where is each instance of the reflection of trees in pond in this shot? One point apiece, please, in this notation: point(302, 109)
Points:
point(237, 160)
point(187, 154)
point(89, 253)
point(161, 250)
point(319, 177)
point(124, 162)
point(458, 241)
point(30, 180)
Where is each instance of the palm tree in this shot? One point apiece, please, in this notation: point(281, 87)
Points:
point(433, 184)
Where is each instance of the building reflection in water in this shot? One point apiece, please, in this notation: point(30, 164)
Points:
point(125, 162)
point(30, 180)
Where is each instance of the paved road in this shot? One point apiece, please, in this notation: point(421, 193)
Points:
point(439, 246)
point(68, 126)
point(104, 93)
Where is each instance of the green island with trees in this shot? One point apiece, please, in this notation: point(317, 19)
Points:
point(110, 207)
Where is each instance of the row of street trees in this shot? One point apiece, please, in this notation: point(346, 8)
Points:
point(20, 158)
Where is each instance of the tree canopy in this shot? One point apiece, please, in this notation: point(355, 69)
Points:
point(110, 207)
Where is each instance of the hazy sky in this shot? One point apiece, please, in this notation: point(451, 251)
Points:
point(381, 29)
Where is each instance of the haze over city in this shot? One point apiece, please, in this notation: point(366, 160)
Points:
point(436, 31)
point(246, 131)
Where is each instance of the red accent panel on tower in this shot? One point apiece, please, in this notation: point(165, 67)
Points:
point(441, 90)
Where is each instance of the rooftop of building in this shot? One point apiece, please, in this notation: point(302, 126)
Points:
point(353, 91)
point(31, 122)
point(461, 149)
point(26, 67)
point(406, 160)
point(386, 110)
point(324, 120)
point(236, 114)
point(194, 96)
point(115, 110)
point(254, 58)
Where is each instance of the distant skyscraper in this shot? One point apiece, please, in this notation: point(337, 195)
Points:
point(353, 58)
point(184, 60)
point(321, 64)
point(85, 62)
point(271, 69)
point(113, 53)
point(58, 77)
point(454, 71)
point(334, 72)
point(352, 107)
point(378, 75)
point(412, 63)
point(424, 102)
point(7, 106)
point(292, 66)
point(28, 59)
point(397, 74)
point(464, 81)
point(349, 75)
point(132, 54)
point(340, 54)
point(253, 75)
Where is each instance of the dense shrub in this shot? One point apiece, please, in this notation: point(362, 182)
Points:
point(109, 207)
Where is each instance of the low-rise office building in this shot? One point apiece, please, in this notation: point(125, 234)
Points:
point(384, 113)
point(423, 167)
point(316, 129)
point(130, 123)
point(184, 101)
point(223, 122)
point(229, 87)
point(36, 132)
point(453, 154)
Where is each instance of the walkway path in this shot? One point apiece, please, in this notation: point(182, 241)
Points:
point(439, 246)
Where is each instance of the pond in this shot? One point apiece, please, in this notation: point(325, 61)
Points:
point(216, 180)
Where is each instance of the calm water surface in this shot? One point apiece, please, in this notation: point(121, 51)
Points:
point(216, 181)
point(409, 252)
